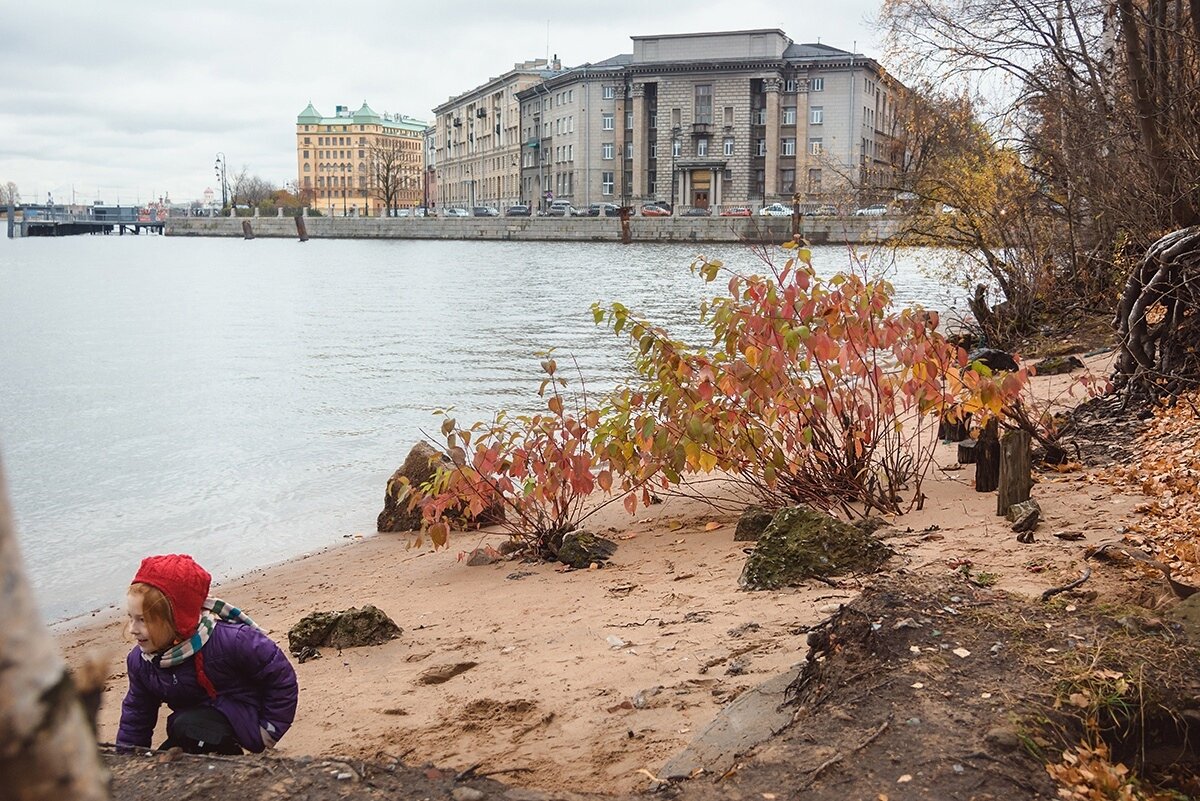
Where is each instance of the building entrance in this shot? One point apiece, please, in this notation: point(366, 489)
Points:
point(701, 185)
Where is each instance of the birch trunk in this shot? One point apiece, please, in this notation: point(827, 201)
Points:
point(47, 750)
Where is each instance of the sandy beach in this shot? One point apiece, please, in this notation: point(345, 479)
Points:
point(581, 679)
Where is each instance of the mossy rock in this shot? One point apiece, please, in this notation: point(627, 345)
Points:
point(348, 629)
point(580, 549)
point(1058, 365)
point(802, 543)
point(752, 523)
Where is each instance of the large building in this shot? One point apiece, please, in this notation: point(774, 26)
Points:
point(710, 119)
point(361, 162)
point(478, 139)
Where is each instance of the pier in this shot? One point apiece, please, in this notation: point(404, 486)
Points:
point(71, 221)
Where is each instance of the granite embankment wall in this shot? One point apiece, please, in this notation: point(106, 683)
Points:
point(819, 231)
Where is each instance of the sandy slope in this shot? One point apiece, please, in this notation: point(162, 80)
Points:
point(549, 694)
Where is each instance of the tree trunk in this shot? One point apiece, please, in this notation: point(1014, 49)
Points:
point(987, 458)
point(1016, 470)
point(47, 751)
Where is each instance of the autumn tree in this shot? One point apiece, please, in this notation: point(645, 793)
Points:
point(1098, 99)
point(47, 750)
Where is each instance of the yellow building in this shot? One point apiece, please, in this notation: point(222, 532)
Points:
point(359, 163)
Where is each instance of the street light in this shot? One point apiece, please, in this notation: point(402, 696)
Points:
point(219, 170)
point(674, 150)
point(344, 170)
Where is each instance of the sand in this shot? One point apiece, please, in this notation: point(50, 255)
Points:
point(582, 679)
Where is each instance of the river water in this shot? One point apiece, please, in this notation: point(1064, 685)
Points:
point(245, 402)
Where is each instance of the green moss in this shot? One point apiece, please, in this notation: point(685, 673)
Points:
point(802, 543)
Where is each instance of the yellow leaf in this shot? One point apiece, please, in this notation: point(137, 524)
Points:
point(712, 525)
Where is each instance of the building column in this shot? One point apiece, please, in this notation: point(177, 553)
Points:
point(714, 197)
point(804, 159)
point(641, 144)
point(772, 87)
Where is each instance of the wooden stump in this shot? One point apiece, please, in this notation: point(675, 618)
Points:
point(301, 228)
point(987, 458)
point(247, 231)
point(955, 430)
point(966, 451)
point(1016, 470)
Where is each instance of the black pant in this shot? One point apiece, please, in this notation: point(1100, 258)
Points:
point(200, 730)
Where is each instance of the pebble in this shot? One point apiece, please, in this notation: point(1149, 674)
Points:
point(467, 794)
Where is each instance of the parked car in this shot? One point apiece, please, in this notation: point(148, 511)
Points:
point(874, 210)
point(775, 210)
point(454, 211)
point(698, 211)
point(421, 211)
point(484, 211)
point(563, 208)
point(655, 210)
point(740, 211)
point(518, 210)
point(824, 210)
point(602, 210)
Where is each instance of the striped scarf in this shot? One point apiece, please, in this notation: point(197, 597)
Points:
point(213, 609)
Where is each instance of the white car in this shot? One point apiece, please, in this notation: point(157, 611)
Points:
point(454, 211)
point(775, 210)
point(874, 210)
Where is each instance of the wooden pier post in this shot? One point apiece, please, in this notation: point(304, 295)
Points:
point(626, 233)
point(1016, 470)
point(12, 218)
point(987, 458)
point(301, 227)
point(247, 231)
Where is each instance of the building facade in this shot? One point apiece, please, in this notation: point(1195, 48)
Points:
point(359, 163)
point(478, 140)
point(709, 120)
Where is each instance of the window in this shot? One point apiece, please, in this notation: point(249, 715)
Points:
point(654, 120)
point(571, 124)
point(760, 182)
point(676, 146)
point(729, 115)
point(606, 183)
point(307, 140)
point(815, 147)
point(305, 154)
point(816, 115)
point(759, 116)
point(760, 147)
point(606, 151)
point(609, 93)
point(814, 180)
point(570, 152)
point(306, 167)
point(789, 115)
point(654, 150)
point(628, 182)
point(791, 85)
point(675, 117)
point(787, 181)
point(362, 154)
point(816, 85)
point(701, 147)
point(606, 122)
point(629, 120)
point(652, 184)
point(789, 146)
point(703, 108)
point(629, 150)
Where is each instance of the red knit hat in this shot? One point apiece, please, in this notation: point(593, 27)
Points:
point(184, 582)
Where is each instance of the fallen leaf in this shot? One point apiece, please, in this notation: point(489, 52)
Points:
point(768, 796)
point(961, 653)
point(674, 525)
point(713, 525)
point(916, 685)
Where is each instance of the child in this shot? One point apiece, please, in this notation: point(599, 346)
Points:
point(229, 686)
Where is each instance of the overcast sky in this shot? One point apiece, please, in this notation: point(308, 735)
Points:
point(125, 102)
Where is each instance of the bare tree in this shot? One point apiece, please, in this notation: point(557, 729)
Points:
point(387, 167)
point(9, 194)
point(256, 191)
point(47, 750)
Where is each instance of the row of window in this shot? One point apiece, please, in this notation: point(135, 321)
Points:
point(787, 148)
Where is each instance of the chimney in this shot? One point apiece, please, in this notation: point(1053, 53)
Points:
point(556, 65)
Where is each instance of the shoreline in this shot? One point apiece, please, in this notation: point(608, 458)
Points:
point(557, 661)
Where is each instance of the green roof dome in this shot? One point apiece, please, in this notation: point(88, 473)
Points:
point(366, 115)
point(309, 115)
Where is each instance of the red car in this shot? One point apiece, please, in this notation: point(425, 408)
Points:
point(741, 211)
point(651, 210)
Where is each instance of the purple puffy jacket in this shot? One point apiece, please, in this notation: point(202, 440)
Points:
point(255, 685)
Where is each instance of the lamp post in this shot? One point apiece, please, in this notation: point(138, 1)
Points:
point(674, 150)
point(344, 166)
point(219, 170)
